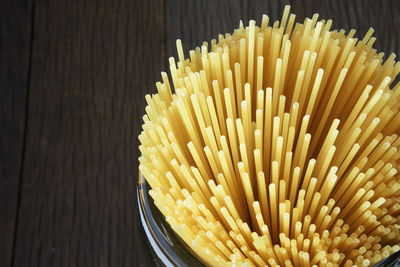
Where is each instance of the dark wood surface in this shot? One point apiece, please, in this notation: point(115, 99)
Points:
point(15, 50)
point(73, 76)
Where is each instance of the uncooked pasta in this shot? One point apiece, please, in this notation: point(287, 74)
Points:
point(278, 146)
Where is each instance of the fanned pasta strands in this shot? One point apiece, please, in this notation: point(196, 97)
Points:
point(278, 146)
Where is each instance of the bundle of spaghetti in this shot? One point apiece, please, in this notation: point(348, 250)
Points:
point(279, 146)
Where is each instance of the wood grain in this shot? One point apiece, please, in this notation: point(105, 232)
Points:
point(84, 84)
point(15, 37)
point(92, 64)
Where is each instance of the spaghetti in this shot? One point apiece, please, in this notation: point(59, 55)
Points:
point(278, 145)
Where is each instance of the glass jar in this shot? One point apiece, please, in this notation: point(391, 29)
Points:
point(167, 247)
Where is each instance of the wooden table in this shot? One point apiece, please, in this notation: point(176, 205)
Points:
point(73, 80)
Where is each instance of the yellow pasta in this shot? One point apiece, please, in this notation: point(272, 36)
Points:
point(279, 146)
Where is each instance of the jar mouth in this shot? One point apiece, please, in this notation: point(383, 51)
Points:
point(166, 244)
point(170, 249)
